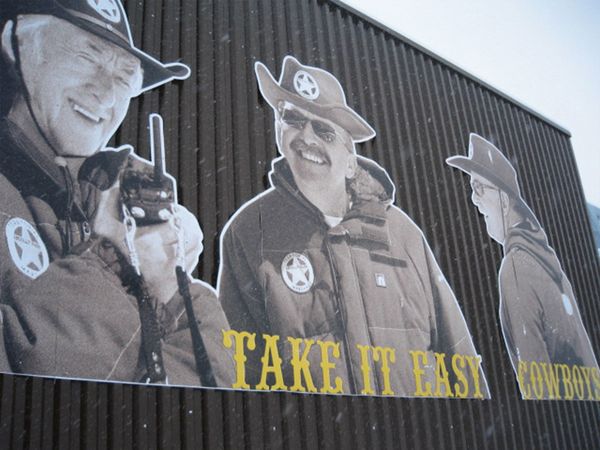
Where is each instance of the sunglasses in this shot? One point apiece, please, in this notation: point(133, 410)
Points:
point(295, 119)
point(479, 188)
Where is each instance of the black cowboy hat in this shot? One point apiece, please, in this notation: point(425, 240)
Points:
point(106, 19)
point(487, 161)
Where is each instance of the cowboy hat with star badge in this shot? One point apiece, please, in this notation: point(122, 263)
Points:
point(314, 90)
point(106, 19)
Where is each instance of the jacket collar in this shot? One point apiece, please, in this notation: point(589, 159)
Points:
point(529, 238)
point(28, 166)
point(32, 169)
point(372, 196)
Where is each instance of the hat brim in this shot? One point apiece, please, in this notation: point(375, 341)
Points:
point(473, 167)
point(155, 73)
point(345, 117)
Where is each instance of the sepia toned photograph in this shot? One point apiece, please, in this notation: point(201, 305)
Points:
point(324, 255)
point(541, 323)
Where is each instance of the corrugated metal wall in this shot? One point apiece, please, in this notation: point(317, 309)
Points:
point(220, 143)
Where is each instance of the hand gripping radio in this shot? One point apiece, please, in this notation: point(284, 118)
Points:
point(150, 195)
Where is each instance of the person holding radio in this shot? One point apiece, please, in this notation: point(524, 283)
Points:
point(70, 301)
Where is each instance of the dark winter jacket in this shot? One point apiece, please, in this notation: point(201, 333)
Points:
point(540, 318)
point(371, 280)
point(65, 310)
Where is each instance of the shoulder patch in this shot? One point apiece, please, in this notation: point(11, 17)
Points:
point(27, 250)
point(567, 304)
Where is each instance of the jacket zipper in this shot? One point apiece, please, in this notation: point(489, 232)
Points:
point(340, 312)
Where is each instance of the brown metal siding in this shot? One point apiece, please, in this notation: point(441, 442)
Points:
point(220, 143)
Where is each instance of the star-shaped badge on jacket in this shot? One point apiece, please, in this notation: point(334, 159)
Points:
point(26, 247)
point(29, 249)
point(297, 272)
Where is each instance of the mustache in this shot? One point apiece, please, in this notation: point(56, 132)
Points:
point(299, 146)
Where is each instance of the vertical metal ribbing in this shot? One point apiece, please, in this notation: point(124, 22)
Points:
point(433, 172)
point(204, 33)
point(506, 131)
point(492, 128)
point(220, 142)
point(238, 140)
point(188, 146)
point(545, 419)
point(449, 144)
point(517, 148)
point(481, 118)
point(477, 265)
point(445, 191)
point(562, 216)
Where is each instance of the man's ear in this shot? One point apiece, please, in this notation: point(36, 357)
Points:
point(352, 165)
point(504, 201)
point(7, 49)
point(278, 132)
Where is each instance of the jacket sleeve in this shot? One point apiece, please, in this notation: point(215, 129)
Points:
point(239, 289)
point(178, 348)
point(241, 296)
point(452, 336)
point(521, 315)
point(74, 320)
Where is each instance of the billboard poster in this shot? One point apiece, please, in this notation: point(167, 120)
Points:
point(548, 346)
point(324, 283)
point(328, 286)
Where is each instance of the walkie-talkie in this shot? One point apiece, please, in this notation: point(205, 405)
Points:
point(149, 195)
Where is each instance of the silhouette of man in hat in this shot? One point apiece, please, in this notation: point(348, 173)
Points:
point(325, 258)
point(539, 316)
point(68, 302)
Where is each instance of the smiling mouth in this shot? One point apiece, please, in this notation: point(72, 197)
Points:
point(313, 157)
point(310, 153)
point(86, 113)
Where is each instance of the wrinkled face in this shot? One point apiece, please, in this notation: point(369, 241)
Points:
point(487, 198)
point(315, 148)
point(80, 85)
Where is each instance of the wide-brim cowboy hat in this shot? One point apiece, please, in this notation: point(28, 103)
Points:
point(487, 161)
point(106, 19)
point(314, 90)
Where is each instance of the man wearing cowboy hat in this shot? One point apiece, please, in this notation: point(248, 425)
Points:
point(324, 255)
point(540, 319)
point(66, 275)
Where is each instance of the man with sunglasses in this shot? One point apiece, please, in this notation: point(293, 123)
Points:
point(324, 261)
point(540, 319)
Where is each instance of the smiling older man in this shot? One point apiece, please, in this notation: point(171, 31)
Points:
point(323, 255)
point(71, 304)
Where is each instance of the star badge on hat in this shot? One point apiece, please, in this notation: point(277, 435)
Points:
point(314, 90)
point(306, 85)
point(26, 248)
point(297, 272)
point(107, 9)
point(106, 19)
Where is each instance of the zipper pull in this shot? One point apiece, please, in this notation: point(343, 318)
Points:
point(180, 255)
point(130, 229)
